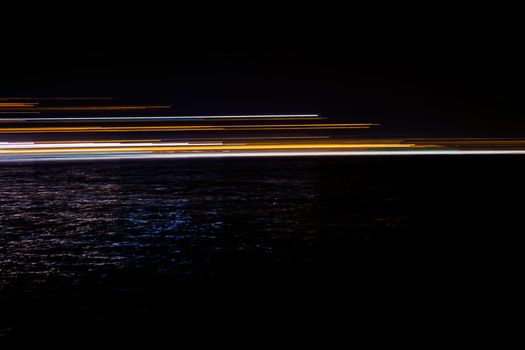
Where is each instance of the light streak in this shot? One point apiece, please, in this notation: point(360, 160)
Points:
point(92, 129)
point(229, 136)
point(186, 147)
point(84, 108)
point(56, 98)
point(146, 118)
point(261, 154)
point(17, 105)
point(31, 145)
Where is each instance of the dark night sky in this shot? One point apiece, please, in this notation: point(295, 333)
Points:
point(435, 72)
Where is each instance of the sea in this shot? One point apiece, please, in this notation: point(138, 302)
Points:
point(97, 253)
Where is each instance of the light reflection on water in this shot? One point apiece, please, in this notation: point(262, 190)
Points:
point(97, 252)
point(67, 220)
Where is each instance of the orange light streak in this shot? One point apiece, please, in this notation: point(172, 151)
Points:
point(312, 146)
point(82, 108)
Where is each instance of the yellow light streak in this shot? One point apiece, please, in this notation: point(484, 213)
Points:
point(154, 148)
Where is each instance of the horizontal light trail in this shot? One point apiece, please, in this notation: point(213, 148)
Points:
point(187, 139)
point(83, 108)
point(94, 145)
point(185, 147)
point(260, 145)
point(187, 117)
point(93, 136)
point(17, 104)
point(259, 154)
point(143, 119)
point(273, 138)
point(92, 129)
point(55, 98)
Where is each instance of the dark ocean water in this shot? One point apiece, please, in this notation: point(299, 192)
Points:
point(140, 250)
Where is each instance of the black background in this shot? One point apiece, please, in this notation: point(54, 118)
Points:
point(420, 71)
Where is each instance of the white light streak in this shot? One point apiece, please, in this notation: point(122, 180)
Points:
point(146, 155)
point(188, 117)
